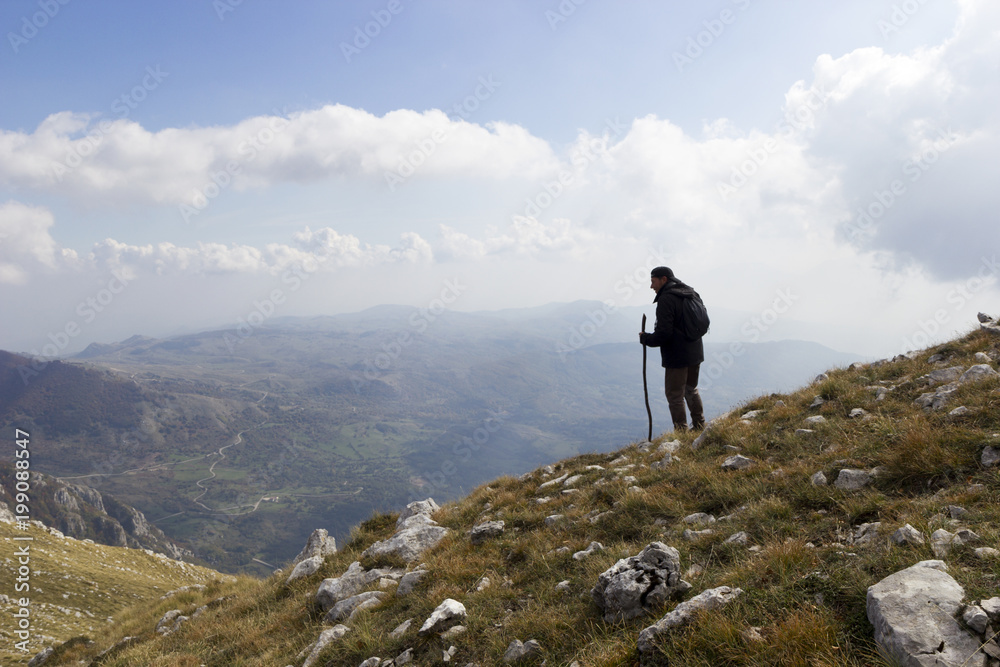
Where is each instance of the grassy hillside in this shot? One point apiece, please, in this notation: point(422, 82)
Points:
point(77, 587)
point(804, 567)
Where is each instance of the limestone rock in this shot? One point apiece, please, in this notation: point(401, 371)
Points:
point(943, 375)
point(698, 519)
point(978, 372)
point(816, 419)
point(516, 651)
point(414, 535)
point(344, 609)
point(633, 585)
point(319, 544)
point(449, 613)
point(325, 637)
point(738, 462)
point(851, 479)
point(305, 568)
point(818, 479)
point(401, 629)
point(594, 546)
point(333, 590)
point(712, 598)
point(170, 622)
point(914, 614)
point(908, 535)
point(485, 531)
point(990, 457)
point(409, 581)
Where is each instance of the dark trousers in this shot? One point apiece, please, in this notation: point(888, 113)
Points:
point(681, 385)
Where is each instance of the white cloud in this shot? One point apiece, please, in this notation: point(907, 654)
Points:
point(102, 161)
point(25, 242)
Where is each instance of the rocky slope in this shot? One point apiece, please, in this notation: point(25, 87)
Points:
point(852, 522)
point(81, 512)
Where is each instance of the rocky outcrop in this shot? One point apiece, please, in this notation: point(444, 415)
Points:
point(416, 532)
point(915, 614)
point(634, 585)
point(319, 544)
point(352, 582)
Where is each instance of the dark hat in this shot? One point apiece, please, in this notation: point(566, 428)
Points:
point(661, 272)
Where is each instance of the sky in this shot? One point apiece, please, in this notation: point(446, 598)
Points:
point(819, 170)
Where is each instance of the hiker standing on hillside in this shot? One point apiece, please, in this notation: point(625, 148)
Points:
point(681, 357)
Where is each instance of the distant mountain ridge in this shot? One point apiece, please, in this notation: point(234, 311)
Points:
point(252, 438)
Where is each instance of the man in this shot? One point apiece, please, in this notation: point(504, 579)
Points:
point(681, 358)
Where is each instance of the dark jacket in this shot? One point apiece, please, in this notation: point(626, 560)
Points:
point(675, 350)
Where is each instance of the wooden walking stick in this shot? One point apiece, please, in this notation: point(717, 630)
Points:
point(645, 387)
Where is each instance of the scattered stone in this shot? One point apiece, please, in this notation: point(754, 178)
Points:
point(779, 404)
point(942, 375)
point(517, 651)
point(738, 462)
point(593, 548)
point(563, 586)
point(740, 538)
point(483, 584)
point(371, 662)
point(851, 479)
point(907, 535)
point(316, 648)
point(983, 358)
point(409, 581)
point(990, 457)
point(985, 553)
point(976, 618)
point(401, 629)
point(817, 401)
point(404, 658)
point(449, 613)
point(698, 518)
point(914, 612)
point(667, 459)
point(670, 447)
point(553, 482)
point(858, 413)
point(707, 600)
point(553, 519)
point(570, 481)
point(170, 622)
point(819, 479)
point(42, 657)
point(598, 517)
point(942, 541)
point(956, 512)
point(978, 372)
point(960, 411)
point(638, 583)
point(453, 632)
point(486, 530)
point(753, 414)
point(866, 532)
point(346, 608)
point(305, 568)
point(804, 431)
point(822, 377)
point(353, 581)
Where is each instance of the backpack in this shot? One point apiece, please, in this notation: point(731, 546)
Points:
point(694, 317)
